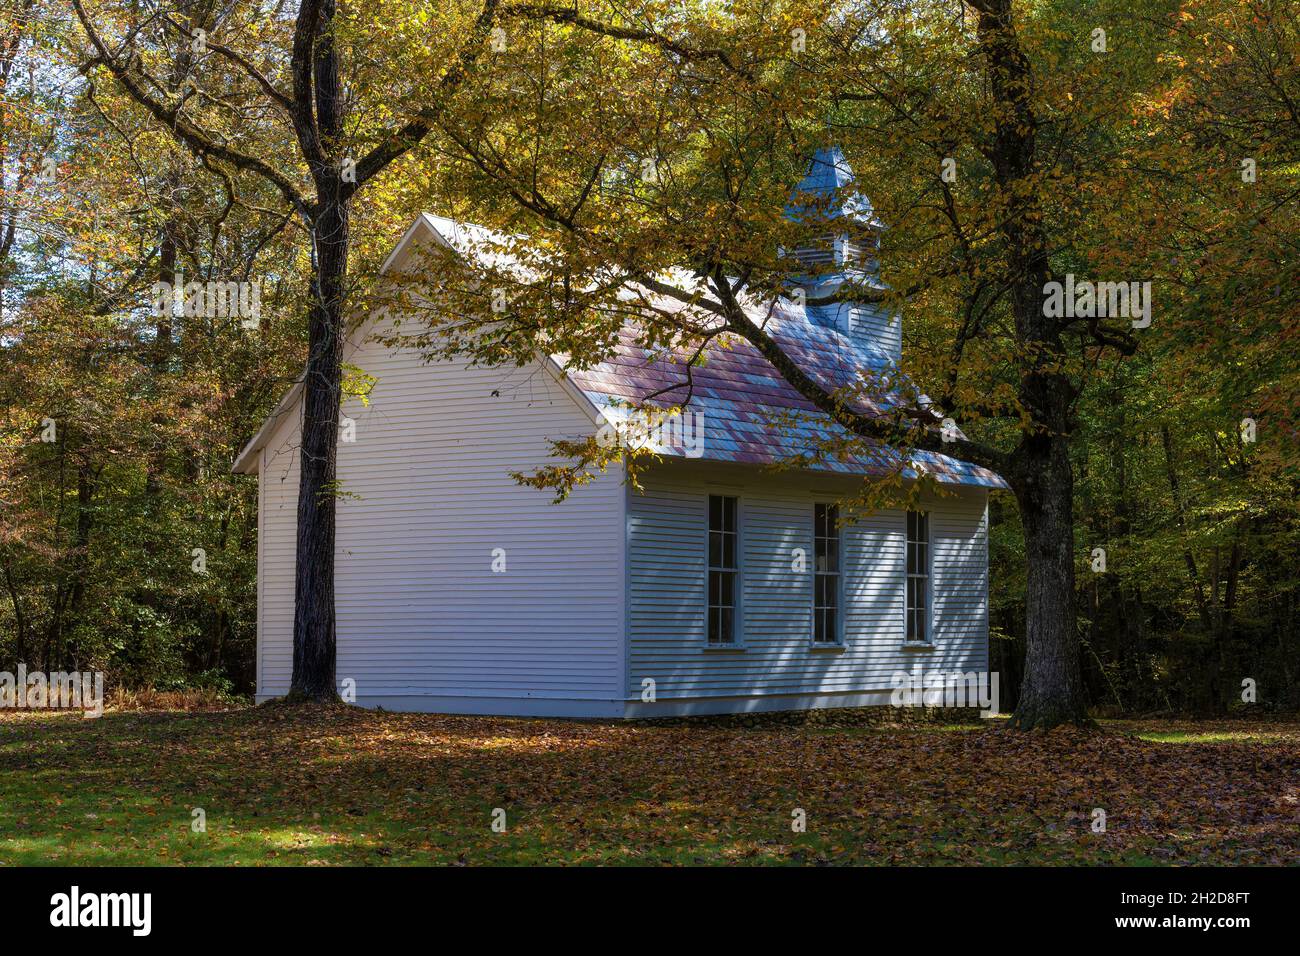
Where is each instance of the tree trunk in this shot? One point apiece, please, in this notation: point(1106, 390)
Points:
point(313, 622)
point(1052, 691)
point(20, 619)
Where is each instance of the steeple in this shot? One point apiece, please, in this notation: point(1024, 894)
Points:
point(826, 196)
point(843, 244)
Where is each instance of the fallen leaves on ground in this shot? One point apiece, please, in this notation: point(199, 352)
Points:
point(337, 785)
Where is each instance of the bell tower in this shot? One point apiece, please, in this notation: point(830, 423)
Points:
point(842, 245)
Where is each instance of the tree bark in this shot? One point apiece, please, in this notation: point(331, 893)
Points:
point(1052, 690)
point(313, 624)
point(1041, 473)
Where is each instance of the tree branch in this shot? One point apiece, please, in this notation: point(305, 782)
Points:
point(195, 139)
point(239, 59)
point(887, 430)
point(410, 135)
point(568, 15)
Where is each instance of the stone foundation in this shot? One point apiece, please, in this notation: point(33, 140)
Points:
point(828, 717)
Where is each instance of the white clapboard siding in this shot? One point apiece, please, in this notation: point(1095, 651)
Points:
point(278, 491)
point(667, 528)
point(423, 621)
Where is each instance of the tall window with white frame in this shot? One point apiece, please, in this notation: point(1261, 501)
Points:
point(918, 577)
point(724, 540)
point(826, 574)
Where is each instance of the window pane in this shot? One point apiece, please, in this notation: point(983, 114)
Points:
point(728, 583)
point(722, 564)
point(918, 574)
point(826, 573)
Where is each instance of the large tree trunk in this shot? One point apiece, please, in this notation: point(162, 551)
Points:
point(1052, 692)
point(313, 621)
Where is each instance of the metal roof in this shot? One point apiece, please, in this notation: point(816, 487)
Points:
point(751, 415)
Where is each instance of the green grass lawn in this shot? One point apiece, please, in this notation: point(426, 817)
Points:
point(322, 786)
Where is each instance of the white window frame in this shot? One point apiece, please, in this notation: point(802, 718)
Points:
point(838, 638)
point(737, 631)
point(927, 638)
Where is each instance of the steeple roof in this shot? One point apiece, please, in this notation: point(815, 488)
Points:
point(827, 192)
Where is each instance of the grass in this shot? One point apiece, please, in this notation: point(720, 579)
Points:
point(1213, 737)
point(1213, 732)
point(328, 786)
